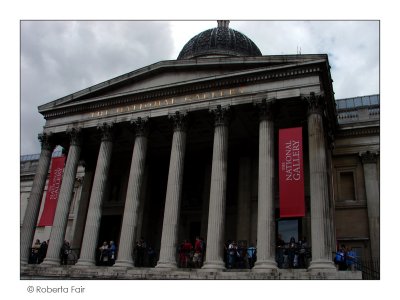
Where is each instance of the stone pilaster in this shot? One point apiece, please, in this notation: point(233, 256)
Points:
point(266, 163)
point(174, 190)
point(35, 198)
point(321, 215)
point(216, 216)
point(64, 200)
point(92, 226)
point(369, 161)
point(135, 186)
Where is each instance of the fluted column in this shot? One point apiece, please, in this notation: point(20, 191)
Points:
point(132, 202)
point(369, 160)
point(64, 201)
point(266, 165)
point(174, 190)
point(93, 218)
point(321, 222)
point(35, 198)
point(216, 215)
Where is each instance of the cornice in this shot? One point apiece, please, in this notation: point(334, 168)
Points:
point(358, 132)
point(189, 87)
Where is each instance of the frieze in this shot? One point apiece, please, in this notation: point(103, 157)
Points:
point(358, 132)
point(158, 103)
point(168, 97)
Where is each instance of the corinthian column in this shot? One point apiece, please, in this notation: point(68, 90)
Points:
point(216, 216)
point(132, 202)
point(35, 198)
point(369, 160)
point(64, 201)
point(321, 216)
point(174, 191)
point(266, 165)
point(92, 226)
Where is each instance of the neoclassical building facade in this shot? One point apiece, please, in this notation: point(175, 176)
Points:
point(189, 147)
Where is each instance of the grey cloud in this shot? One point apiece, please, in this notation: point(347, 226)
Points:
point(62, 57)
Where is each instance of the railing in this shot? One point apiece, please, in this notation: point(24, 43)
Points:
point(370, 268)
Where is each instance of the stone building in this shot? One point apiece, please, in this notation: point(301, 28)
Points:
point(189, 147)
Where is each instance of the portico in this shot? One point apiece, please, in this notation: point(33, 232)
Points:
point(171, 159)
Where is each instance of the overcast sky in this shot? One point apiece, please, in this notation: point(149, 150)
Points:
point(61, 57)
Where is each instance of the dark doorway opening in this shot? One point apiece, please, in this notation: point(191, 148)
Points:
point(110, 227)
point(194, 230)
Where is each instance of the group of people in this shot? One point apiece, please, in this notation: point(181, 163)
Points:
point(239, 256)
point(145, 255)
point(189, 256)
point(38, 252)
point(292, 255)
point(345, 258)
point(107, 253)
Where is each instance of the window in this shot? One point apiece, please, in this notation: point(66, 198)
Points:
point(358, 102)
point(288, 228)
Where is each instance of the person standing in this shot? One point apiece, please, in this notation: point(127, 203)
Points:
point(251, 255)
point(197, 256)
point(350, 259)
point(65, 251)
point(103, 254)
point(42, 252)
point(232, 253)
point(112, 252)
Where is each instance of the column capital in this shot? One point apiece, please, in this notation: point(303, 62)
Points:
point(179, 120)
point(141, 126)
point(265, 108)
point(75, 134)
point(315, 103)
point(106, 131)
point(221, 115)
point(46, 140)
point(369, 157)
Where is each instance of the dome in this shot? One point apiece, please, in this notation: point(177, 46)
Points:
point(219, 41)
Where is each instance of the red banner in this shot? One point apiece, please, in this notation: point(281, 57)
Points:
point(291, 178)
point(53, 189)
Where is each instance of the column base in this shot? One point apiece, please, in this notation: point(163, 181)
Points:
point(265, 265)
point(166, 265)
point(123, 263)
point(322, 265)
point(85, 263)
point(213, 266)
point(51, 262)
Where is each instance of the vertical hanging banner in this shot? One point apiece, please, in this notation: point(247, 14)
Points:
point(291, 178)
point(53, 189)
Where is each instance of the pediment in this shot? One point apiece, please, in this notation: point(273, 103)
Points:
point(169, 76)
